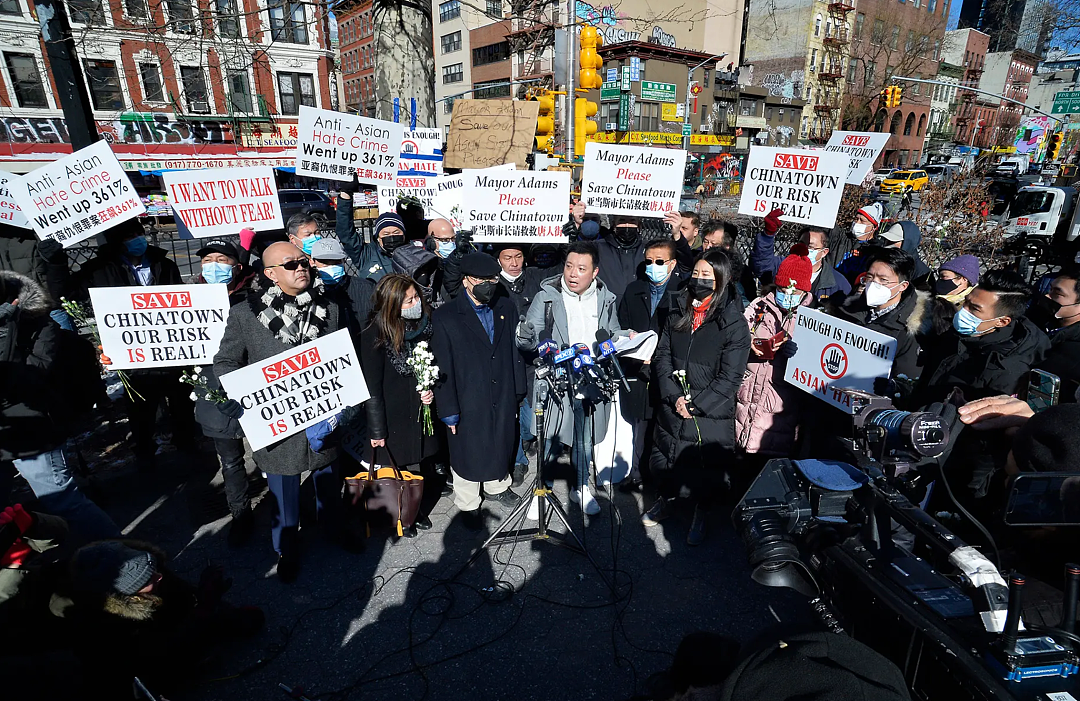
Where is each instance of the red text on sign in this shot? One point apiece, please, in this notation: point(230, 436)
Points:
point(852, 140)
point(160, 300)
point(296, 363)
point(794, 162)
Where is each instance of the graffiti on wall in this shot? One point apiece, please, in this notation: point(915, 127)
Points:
point(606, 19)
point(34, 130)
point(1030, 134)
point(779, 85)
point(162, 129)
point(720, 165)
point(782, 136)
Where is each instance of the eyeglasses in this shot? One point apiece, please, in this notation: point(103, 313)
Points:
point(655, 261)
point(292, 264)
point(868, 278)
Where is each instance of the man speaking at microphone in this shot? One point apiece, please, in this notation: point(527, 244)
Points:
point(570, 309)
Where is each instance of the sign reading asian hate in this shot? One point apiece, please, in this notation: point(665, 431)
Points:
point(635, 180)
point(485, 133)
point(219, 203)
point(421, 157)
point(335, 145)
point(806, 184)
point(300, 387)
point(9, 211)
point(521, 206)
point(161, 325)
point(833, 353)
point(77, 196)
point(862, 149)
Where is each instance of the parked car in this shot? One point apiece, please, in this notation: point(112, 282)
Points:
point(905, 181)
point(315, 202)
point(881, 173)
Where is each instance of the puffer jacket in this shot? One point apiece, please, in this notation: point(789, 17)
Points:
point(766, 417)
point(902, 323)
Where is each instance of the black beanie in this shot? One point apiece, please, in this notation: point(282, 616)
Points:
point(110, 566)
point(1050, 441)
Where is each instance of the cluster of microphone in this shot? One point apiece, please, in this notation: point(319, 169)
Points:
point(590, 374)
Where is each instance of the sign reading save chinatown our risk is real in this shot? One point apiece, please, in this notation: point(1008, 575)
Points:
point(806, 184)
point(634, 180)
point(335, 145)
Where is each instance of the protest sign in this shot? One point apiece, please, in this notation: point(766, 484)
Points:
point(161, 325)
point(285, 394)
point(862, 149)
point(635, 180)
point(485, 133)
point(222, 202)
point(9, 211)
point(834, 353)
point(335, 145)
point(523, 206)
point(807, 185)
point(389, 195)
point(447, 198)
point(77, 196)
point(421, 157)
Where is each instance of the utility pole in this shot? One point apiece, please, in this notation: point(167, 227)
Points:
point(68, 74)
point(686, 108)
point(571, 52)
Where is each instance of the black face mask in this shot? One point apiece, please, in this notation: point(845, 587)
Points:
point(945, 287)
point(484, 292)
point(700, 289)
point(544, 260)
point(1042, 312)
point(392, 242)
point(626, 235)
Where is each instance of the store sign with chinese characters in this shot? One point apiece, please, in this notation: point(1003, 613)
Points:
point(269, 136)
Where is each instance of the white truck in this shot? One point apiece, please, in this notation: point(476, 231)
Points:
point(1046, 213)
point(1013, 165)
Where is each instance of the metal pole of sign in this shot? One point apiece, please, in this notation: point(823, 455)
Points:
point(686, 108)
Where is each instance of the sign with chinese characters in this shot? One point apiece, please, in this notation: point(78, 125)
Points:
point(335, 145)
point(269, 136)
point(610, 92)
point(520, 206)
point(657, 92)
point(659, 137)
point(634, 180)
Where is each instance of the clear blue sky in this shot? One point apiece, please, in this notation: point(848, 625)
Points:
point(1069, 41)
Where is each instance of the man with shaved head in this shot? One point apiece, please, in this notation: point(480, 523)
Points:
point(293, 310)
point(449, 246)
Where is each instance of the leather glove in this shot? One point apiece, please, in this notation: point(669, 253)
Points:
point(50, 249)
point(525, 330)
point(463, 240)
point(231, 408)
point(787, 350)
point(772, 222)
point(8, 312)
point(351, 187)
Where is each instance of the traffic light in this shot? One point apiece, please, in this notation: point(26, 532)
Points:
point(893, 95)
point(1054, 147)
point(591, 63)
point(545, 122)
point(583, 126)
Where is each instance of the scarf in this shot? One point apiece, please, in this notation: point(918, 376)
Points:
point(701, 311)
point(400, 361)
point(292, 320)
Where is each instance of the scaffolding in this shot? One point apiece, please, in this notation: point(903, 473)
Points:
point(831, 76)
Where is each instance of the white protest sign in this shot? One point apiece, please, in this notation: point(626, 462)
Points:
point(335, 145)
point(636, 180)
point(524, 206)
point(807, 185)
point(77, 196)
point(421, 157)
point(285, 394)
point(9, 211)
point(834, 353)
point(446, 201)
point(862, 149)
point(225, 200)
point(161, 325)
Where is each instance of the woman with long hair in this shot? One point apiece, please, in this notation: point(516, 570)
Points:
point(699, 366)
point(401, 319)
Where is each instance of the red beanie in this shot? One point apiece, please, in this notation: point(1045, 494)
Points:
point(795, 268)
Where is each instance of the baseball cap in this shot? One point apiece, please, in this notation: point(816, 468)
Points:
point(219, 246)
point(328, 249)
point(894, 234)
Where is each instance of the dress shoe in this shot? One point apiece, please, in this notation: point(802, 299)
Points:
point(288, 567)
point(409, 532)
point(472, 520)
point(530, 448)
point(507, 498)
point(696, 536)
point(243, 524)
point(519, 474)
point(447, 488)
point(423, 523)
point(631, 486)
point(441, 469)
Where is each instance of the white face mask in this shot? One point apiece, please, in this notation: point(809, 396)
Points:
point(877, 294)
point(510, 277)
point(860, 230)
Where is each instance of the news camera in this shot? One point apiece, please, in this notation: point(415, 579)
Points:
point(875, 566)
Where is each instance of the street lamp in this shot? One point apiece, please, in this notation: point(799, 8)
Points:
point(686, 108)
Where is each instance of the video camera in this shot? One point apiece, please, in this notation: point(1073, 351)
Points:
point(879, 568)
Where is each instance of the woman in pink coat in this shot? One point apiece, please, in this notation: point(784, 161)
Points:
point(766, 416)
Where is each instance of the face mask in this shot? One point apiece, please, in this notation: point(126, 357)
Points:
point(860, 230)
point(544, 260)
point(699, 288)
point(215, 273)
point(445, 248)
point(1043, 312)
point(877, 294)
point(413, 313)
point(626, 235)
point(966, 323)
point(657, 273)
point(945, 287)
point(484, 292)
point(391, 242)
point(306, 245)
point(590, 229)
point(788, 300)
point(815, 255)
point(136, 246)
point(332, 274)
point(511, 278)
point(1059, 315)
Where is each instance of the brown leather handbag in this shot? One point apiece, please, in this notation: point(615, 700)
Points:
point(387, 492)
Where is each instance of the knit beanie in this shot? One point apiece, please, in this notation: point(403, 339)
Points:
point(1049, 441)
point(388, 219)
point(966, 266)
point(110, 566)
point(873, 213)
point(795, 268)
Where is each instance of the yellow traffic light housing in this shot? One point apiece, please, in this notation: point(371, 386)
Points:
point(589, 74)
point(545, 121)
point(1054, 147)
point(898, 95)
point(583, 126)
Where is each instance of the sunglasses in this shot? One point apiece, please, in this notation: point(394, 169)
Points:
point(292, 264)
point(657, 261)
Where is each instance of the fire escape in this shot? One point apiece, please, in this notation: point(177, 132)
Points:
point(831, 76)
point(532, 42)
point(965, 118)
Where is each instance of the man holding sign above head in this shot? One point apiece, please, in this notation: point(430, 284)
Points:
point(372, 260)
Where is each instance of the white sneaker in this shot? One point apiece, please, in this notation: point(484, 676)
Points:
point(590, 505)
point(533, 513)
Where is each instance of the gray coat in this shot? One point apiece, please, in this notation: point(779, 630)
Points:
point(247, 341)
point(528, 338)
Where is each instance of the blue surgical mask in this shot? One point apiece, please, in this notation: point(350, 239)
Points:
point(215, 273)
point(788, 300)
point(309, 243)
point(657, 273)
point(446, 248)
point(966, 323)
point(590, 229)
point(136, 246)
point(332, 274)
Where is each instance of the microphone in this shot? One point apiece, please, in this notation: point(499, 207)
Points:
point(546, 349)
point(607, 352)
point(567, 354)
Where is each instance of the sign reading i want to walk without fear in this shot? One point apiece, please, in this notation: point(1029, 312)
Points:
point(77, 196)
point(300, 387)
point(634, 180)
point(520, 206)
point(335, 145)
point(160, 326)
point(862, 148)
point(806, 184)
point(222, 202)
point(833, 353)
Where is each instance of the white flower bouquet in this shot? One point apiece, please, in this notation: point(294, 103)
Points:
point(422, 363)
point(199, 387)
point(680, 375)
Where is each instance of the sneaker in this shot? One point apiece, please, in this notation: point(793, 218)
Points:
point(243, 525)
point(657, 513)
point(288, 567)
point(589, 504)
point(506, 497)
point(696, 536)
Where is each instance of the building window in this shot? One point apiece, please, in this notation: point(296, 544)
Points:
point(894, 38)
point(228, 19)
point(25, 78)
point(453, 74)
point(86, 12)
point(492, 53)
point(768, 114)
point(194, 85)
point(909, 45)
point(448, 106)
point(451, 43)
point(852, 68)
point(296, 89)
point(813, 59)
point(931, 5)
point(500, 88)
point(136, 9)
point(287, 21)
point(869, 67)
point(151, 82)
point(495, 8)
point(451, 9)
point(105, 88)
point(860, 20)
point(877, 34)
point(909, 124)
point(239, 92)
point(937, 50)
point(817, 26)
point(181, 17)
point(646, 116)
point(10, 7)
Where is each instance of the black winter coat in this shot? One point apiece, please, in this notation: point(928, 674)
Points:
point(902, 323)
point(620, 265)
point(20, 252)
point(522, 290)
point(635, 313)
point(355, 294)
point(109, 269)
point(482, 384)
point(1063, 360)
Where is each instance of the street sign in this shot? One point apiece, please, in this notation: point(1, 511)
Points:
point(658, 92)
point(1066, 102)
point(624, 111)
point(626, 78)
point(612, 75)
point(609, 91)
point(687, 130)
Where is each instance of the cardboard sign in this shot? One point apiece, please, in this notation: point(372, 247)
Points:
point(285, 394)
point(160, 326)
point(485, 133)
point(806, 184)
point(335, 145)
point(9, 211)
point(222, 202)
point(421, 157)
point(78, 196)
point(523, 206)
point(447, 198)
point(862, 149)
point(635, 180)
point(834, 353)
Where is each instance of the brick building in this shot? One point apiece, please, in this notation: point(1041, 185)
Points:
point(356, 41)
point(1007, 73)
point(967, 48)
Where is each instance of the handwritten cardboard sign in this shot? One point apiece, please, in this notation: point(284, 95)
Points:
point(635, 180)
point(300, 387)
point(160, 325)
point(485, 133)
point(862, 149)
point(9, 211)
point(806, 184)
point(335, 145)
point(222, 202)
point(522, 206)
point(77, 196)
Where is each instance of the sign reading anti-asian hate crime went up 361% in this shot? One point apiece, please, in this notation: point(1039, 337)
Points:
point(634, 180)
point(806, 184)
point(334, 145)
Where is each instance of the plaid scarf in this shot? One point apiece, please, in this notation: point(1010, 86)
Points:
point(292, 320)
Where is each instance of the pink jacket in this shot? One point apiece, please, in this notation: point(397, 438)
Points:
point(767, 416)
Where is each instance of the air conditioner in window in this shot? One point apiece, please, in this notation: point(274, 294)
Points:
point(199, 107)
point(704, 128)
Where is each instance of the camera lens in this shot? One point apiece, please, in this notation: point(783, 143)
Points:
point(774, 556)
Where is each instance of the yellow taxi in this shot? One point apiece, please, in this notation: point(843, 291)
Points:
point(905, 181)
